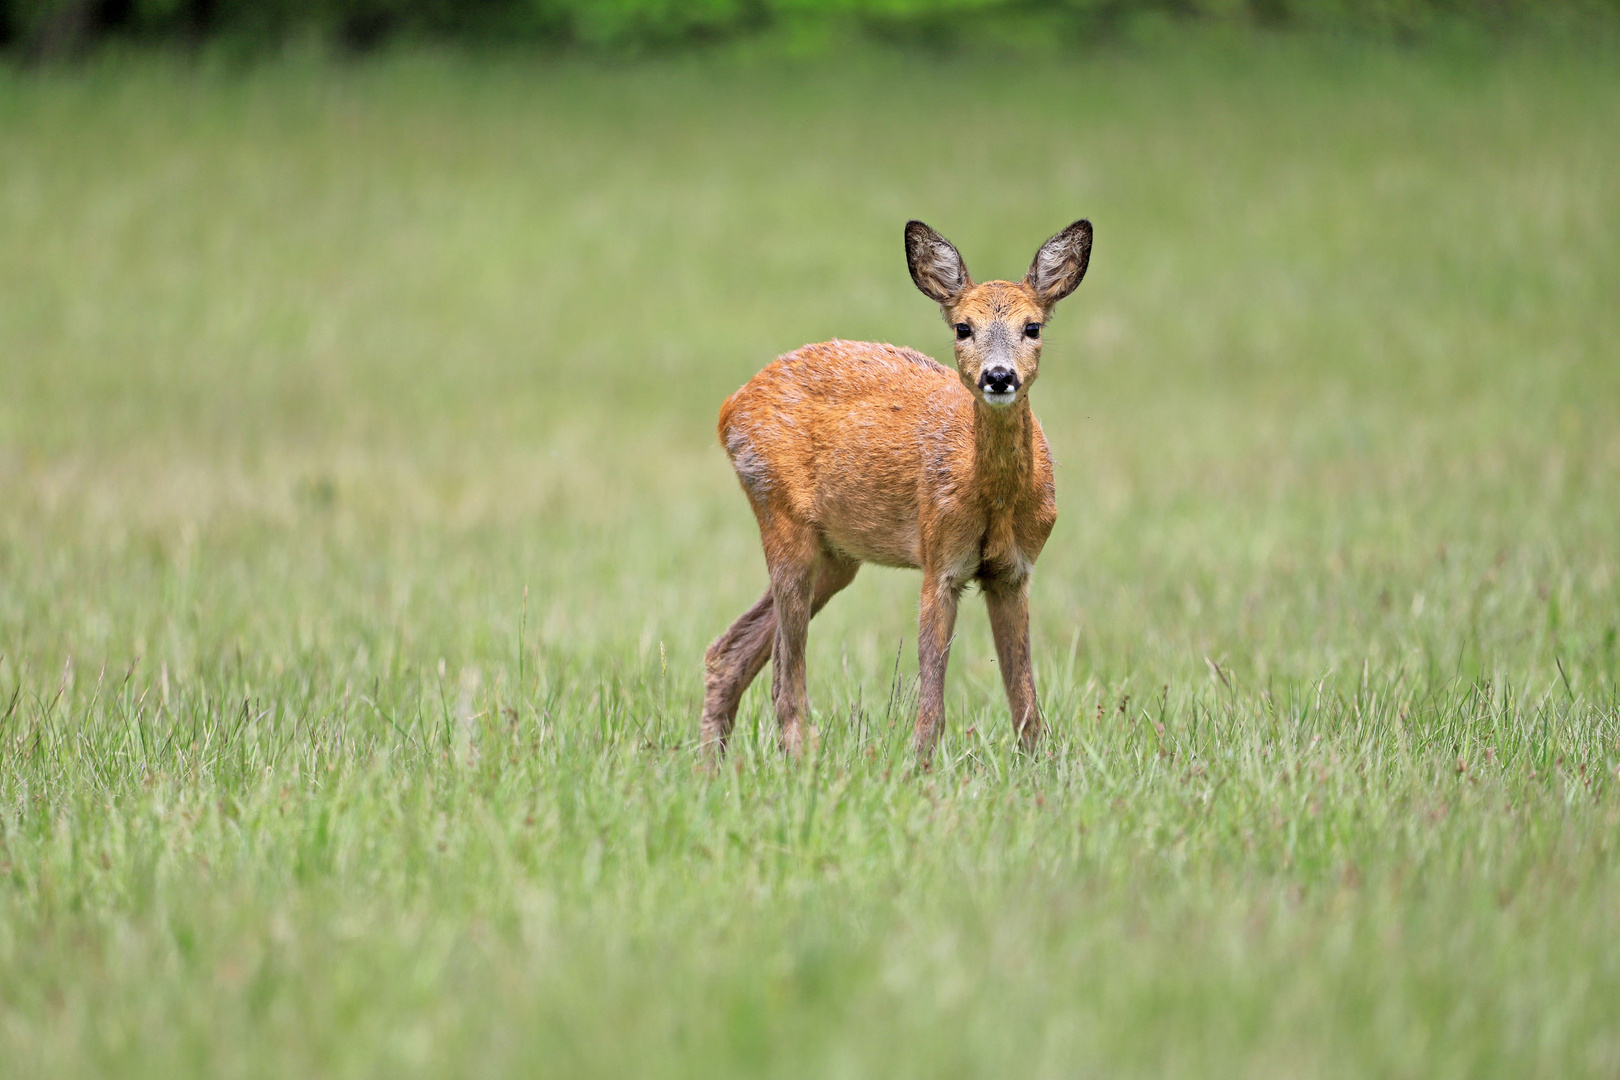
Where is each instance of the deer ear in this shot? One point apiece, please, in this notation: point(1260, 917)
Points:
point(936, 266)
point(1061, 263)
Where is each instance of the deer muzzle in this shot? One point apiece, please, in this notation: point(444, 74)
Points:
point(999, 384)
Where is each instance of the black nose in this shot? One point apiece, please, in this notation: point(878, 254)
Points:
point(998, 380)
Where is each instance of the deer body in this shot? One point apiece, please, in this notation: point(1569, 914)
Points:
point(855, 452)
point(896, 451)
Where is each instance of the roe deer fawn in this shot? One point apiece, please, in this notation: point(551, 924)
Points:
point(855, 452)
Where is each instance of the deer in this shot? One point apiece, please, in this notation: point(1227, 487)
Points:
point(853, 452)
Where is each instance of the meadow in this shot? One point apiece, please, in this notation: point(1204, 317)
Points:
point(362, 526)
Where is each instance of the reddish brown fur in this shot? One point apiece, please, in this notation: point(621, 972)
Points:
point(855, 452)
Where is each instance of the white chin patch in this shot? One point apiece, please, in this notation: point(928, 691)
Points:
point(1001, 399)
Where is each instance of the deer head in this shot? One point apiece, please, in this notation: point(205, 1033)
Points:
point(997, 324)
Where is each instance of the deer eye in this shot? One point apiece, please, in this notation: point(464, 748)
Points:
point(963, 331)
point(1032, 330)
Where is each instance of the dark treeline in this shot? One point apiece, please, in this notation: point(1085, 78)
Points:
point(43, 29)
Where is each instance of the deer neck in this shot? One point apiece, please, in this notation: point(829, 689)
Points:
point(1003, 451)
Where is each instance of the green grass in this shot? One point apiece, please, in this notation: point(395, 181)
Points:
point(361, 529)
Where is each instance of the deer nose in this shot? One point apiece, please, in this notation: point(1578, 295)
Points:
point(998, 380)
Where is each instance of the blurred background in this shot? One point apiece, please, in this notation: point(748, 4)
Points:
point(50, 28)
point(362, 526)
point(333, 322)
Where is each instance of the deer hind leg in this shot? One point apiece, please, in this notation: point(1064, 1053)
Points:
point(730, 665)
point(936, 623)
point(736, 657)
point(1009, 623)
point(798, 561)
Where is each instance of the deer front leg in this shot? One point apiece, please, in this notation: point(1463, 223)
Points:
point(936, 623)
point(1008, 602)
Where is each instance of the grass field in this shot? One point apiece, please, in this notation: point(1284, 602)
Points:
point(362, 527)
